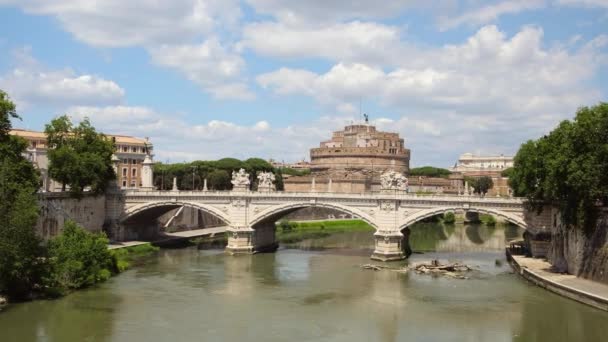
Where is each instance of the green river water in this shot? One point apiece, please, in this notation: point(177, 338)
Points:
point(315, 292)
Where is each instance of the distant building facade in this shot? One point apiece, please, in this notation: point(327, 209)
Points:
point(130, 151)
point(469, 162)
point(301, 165)
point(470, 165)
point(352, 161)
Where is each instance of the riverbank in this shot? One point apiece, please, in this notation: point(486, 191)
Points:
point(303, 230)
point(538, 271)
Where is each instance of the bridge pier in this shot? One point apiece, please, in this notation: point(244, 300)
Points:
point(388, 246)
point(247, 240)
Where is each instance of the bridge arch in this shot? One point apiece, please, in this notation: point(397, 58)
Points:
point(421, 215)
point(165, 206)
point(276, 212)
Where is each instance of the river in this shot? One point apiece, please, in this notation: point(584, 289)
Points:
point(315, 292)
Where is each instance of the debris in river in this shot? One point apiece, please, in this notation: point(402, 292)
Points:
point(372, 267)
point(453, 270)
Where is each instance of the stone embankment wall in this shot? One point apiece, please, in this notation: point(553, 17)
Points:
point(581, 254)
point(57, 208)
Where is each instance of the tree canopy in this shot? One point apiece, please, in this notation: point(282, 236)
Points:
point(429, 171)
point(568, 167)
point(19, 180)
point(217, 172)
point(79, 156)
point(480, 185)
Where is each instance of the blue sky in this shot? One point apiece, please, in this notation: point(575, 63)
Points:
point(206, 79)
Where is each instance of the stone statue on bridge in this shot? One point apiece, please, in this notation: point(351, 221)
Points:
point(240, 180)
point(266, 181)
point(392, 180)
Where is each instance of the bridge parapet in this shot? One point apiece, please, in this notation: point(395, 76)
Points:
point(252, 215)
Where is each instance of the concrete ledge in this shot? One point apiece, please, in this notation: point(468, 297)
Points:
point(578, 295)
point(387, 257)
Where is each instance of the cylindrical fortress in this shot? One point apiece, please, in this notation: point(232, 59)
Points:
point(361, 147)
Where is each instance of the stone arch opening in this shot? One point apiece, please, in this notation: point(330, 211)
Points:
point(142, 221)
point(417, 217)
point(264, 223)
point(474, 234)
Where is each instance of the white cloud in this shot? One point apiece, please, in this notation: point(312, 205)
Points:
point(492, 88)
point(488, 13)
point(171, 31)
point(209, 64)
point(328, 11)
point(30, 83)
point(356, 41)
point(175, 139)
point(118, 23)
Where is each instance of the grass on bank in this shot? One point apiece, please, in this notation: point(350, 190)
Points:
point(292, 232)
point(125, 257)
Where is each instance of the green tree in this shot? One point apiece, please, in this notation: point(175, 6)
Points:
point(568, 167)
point(20, 250)
point(79, 258)
point(229, 164)
point(79, 156)
point(449, 217)
point(507, 172)
point(429, 171)
point(480, 185)
point(219, 180)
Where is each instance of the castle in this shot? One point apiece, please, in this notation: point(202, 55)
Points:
point(352, 161)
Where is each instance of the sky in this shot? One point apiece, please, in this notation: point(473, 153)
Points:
point(207, 79)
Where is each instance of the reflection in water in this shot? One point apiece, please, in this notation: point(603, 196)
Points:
point(322, 295)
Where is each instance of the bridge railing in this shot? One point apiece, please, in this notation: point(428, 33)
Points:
point(401, 195)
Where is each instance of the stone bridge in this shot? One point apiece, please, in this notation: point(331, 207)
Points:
point(251, 215)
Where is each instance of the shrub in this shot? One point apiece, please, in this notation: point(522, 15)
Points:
point(449, 217)
point(490, 221)
point(79, 258)
point(287, 226)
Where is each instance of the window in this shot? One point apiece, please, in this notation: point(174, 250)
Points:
point(125, 149)
point(33, 144)
point(125, 161)
point(124, 183)
point(134, 149)
point(134, 172)
point(124, 172)
point(132, 183)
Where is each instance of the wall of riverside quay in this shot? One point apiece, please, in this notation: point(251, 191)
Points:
point(579, 253)
point(56, 208)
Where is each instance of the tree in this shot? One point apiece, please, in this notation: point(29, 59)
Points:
point(219, 180)
point(79, 156)
point(567, 168)
point(7, 112)
point(507, 172)
point(20, 250)
point(480, 185)
point(429, 171)
point(79, 258)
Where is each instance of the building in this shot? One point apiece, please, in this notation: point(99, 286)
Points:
point(352, 161)
point(130, 151)
point(470, 165)
point(301, 165)
point(361, 147)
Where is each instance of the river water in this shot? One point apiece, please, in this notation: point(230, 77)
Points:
point(316, 292)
